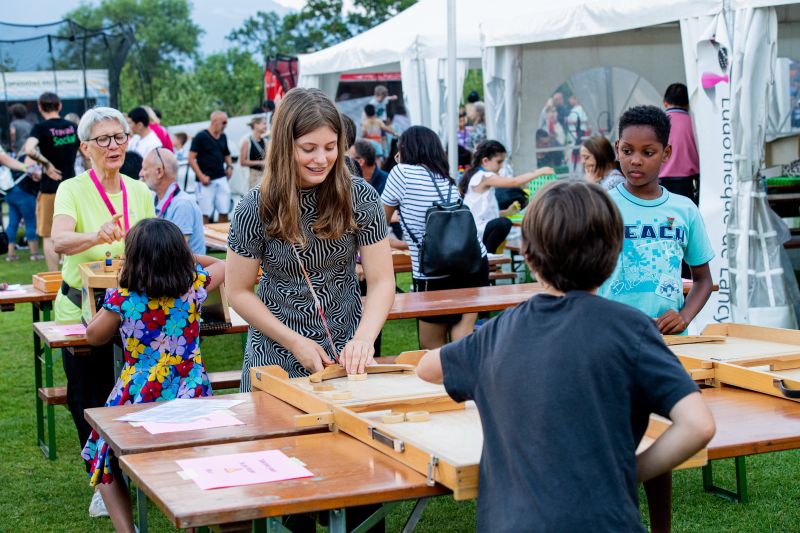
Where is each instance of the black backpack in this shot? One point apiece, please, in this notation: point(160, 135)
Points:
point(450, 244)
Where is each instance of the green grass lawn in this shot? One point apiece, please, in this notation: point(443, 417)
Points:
point(41, 496)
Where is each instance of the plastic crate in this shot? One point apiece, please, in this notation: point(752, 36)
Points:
point(783, 181)
point(535, 184)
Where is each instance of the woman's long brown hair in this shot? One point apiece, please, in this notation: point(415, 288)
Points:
point(300, 112)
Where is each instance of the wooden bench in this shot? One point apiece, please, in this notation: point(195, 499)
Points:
point(499, 274)
point(228, 379)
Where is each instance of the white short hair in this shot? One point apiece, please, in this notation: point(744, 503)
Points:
point(100, 114)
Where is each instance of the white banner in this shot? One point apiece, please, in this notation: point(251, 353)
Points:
point(706, 48)
point(67, 84)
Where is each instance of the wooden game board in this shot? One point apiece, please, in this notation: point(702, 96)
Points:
point(426, 446)
point(751, 357)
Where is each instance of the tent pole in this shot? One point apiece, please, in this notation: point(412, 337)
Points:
point(452, 105)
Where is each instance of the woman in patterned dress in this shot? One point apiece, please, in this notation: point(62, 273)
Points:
point(156, 311)
point(305, 225)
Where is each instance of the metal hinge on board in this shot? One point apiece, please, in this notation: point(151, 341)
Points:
point(395, 444)
point(431, 469)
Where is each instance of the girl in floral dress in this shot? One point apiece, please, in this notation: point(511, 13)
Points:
point(157, 313)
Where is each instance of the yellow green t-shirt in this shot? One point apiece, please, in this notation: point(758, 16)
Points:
point(79, 199)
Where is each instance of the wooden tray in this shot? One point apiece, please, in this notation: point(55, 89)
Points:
point(757, 358)
point(47, 282)
point(217, 232)
point(427, 447)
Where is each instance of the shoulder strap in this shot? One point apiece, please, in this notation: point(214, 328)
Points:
point(403, 223)
point(438, 191)
point(257, 146)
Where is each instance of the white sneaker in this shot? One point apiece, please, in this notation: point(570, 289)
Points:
point(98, 507)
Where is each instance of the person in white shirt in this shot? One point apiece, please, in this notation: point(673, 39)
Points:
point(144, 139)
point(478, 185)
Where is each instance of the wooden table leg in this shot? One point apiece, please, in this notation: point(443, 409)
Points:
point(659, 502)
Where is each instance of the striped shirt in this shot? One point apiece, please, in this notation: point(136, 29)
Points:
point(411, 188)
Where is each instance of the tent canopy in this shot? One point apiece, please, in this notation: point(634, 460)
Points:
point(578, 18)
point(419, 31)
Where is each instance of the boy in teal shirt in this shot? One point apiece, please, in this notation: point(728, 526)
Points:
point(661, 229)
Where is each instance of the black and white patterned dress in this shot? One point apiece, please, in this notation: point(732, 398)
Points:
point(330, 265)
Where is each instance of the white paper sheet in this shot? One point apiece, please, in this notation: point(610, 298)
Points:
point(180, 410)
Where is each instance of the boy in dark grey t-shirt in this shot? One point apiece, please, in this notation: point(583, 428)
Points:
point(565, 383)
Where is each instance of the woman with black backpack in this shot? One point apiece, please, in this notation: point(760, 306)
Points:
point(440, 231)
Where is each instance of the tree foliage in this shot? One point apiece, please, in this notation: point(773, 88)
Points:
point(164, 30)
point(319, 24)
point(368, 13)
point(164, 69)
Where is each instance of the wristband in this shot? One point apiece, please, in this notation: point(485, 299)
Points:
point(24, 167)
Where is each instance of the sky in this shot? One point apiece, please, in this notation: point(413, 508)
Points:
point(215, 17)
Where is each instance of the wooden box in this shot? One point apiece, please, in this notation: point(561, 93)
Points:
point(47, 282)
point(446, 447)
point(217, 234)
point(757, 358)
point(96, 278)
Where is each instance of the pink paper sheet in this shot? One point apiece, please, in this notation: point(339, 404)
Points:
point(13, 293)
point(238, 469)
point(70, 330)
point(216, 420)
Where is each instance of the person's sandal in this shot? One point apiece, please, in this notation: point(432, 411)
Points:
point(11, 258)
point(37, 257)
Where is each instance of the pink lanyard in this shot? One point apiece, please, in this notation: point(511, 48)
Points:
point(317, 302)
point(166, 204)
point(104, 196)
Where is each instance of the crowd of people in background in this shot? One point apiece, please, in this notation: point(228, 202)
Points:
point(42, 155)
point(323, 199)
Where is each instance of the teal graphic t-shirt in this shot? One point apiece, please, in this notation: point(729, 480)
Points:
point(658, 235)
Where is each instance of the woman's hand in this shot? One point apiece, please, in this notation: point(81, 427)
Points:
point(110, 231)
point(357, 355)
point(310, 354)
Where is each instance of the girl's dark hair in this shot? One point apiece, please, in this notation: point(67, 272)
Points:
point(349, 130)
point(419, 145)
point(158, 260)
point(487, 149)
point(388, 161)
point(647, 115)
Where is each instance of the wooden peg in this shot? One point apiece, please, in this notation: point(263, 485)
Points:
point(418, 416)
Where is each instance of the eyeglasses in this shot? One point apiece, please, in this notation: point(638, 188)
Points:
point(104, 141)
point(156, 150)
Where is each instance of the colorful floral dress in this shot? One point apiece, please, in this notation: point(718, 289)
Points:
point(161, 341)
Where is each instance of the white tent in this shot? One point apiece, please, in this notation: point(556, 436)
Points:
point(526, 57)
point(413, 42)
point(537, 49)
